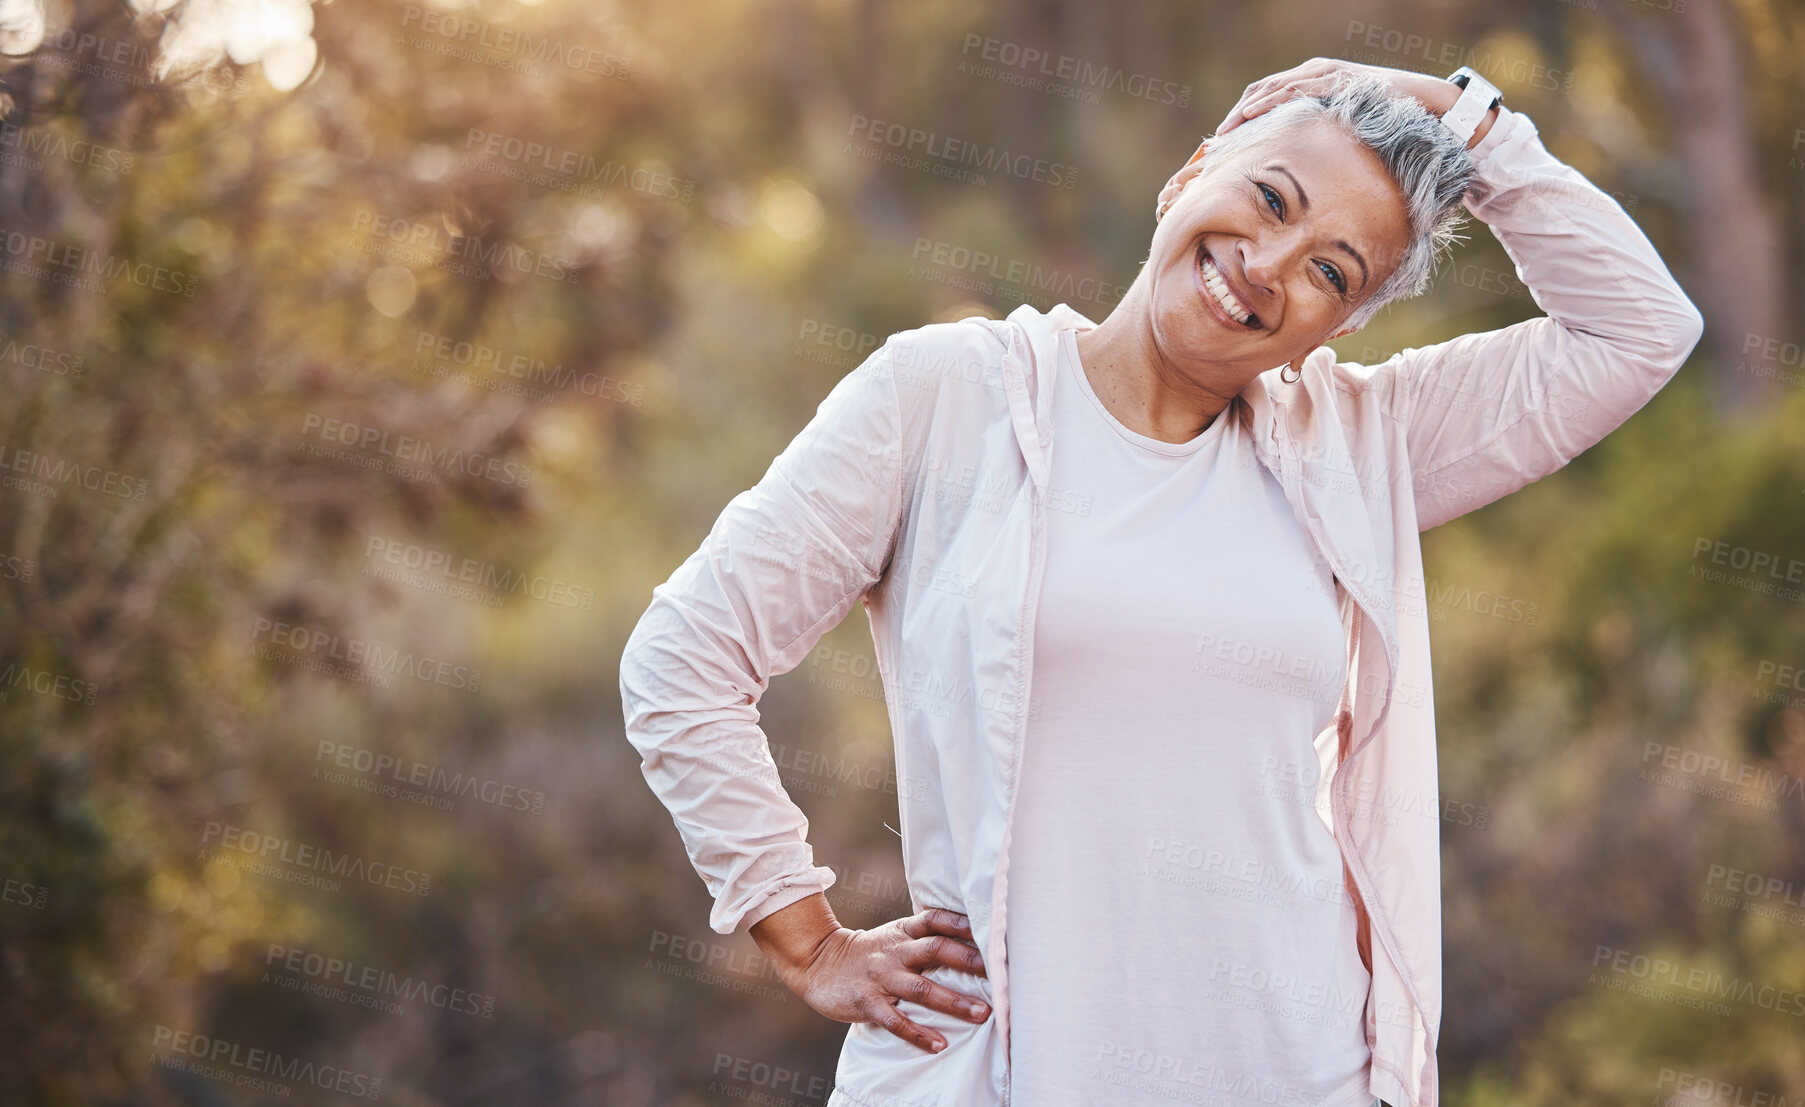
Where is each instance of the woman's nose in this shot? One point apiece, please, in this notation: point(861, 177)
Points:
point(1264, 258)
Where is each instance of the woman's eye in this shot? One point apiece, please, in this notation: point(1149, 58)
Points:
point(1277, 204)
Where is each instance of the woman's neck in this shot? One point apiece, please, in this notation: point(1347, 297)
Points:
point(1139, 387)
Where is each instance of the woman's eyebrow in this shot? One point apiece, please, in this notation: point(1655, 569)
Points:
point(1303, 201)
point(1303, 204)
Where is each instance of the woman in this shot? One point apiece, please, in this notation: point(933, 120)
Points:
point(1147, 600)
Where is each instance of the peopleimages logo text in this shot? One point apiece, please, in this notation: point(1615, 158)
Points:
point(1030, 60)
point(270, 847)
point(253, 1062)
point(406, 448)
point(959, 151)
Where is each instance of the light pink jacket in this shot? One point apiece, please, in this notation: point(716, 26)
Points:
point(920, 487)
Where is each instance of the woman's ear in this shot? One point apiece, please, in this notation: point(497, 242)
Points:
point(1169, 195)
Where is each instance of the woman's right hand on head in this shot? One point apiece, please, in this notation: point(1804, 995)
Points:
point(860, 975)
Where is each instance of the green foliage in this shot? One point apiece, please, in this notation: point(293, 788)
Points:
point(654, 282)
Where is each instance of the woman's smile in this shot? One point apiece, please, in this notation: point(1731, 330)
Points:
point(1219, 292)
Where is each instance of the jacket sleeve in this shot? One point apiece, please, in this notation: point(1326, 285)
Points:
point(786, 560)
point(1489, 412)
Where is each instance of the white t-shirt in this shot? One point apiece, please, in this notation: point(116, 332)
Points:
point(1178, 926)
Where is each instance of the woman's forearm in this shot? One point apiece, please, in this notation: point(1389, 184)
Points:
point(1487, 413)
point(786, 560)
point(790, 935)
point(1585, 261)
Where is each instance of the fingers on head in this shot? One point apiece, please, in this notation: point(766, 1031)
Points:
point(1268, 91)
point(1259, 99)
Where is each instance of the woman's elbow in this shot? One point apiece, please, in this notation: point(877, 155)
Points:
point(1670, 331)
point(646, 670)
point(1687, 327)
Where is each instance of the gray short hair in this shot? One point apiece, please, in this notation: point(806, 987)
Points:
point(1429, 164)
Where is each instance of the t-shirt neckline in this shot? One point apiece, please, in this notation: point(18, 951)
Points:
point(1068, 340)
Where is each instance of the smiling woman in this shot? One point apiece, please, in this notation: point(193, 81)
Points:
point(1290, 229)
point(1138, 762)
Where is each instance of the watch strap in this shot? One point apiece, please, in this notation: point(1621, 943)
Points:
point(1477, 96)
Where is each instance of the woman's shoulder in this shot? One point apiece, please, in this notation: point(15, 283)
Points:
point(955, 356)
point(942, 346)
point(1339, 411)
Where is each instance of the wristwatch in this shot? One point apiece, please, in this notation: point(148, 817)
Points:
point(1477, 96)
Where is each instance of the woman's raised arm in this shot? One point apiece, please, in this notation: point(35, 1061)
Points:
point(786, 560)
point(1489, 412)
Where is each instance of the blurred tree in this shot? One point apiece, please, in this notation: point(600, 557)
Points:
point(225, 225)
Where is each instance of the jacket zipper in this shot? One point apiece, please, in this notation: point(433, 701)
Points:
point(1038, 476)
point(1030, 609)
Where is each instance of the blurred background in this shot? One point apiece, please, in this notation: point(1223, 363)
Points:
point(366, 364)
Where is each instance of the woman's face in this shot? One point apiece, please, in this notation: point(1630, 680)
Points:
point(1302, 226)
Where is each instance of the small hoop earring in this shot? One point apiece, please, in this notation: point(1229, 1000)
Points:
point(1291, 380)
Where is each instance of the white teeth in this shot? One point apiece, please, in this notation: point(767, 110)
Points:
point(1223, 293)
